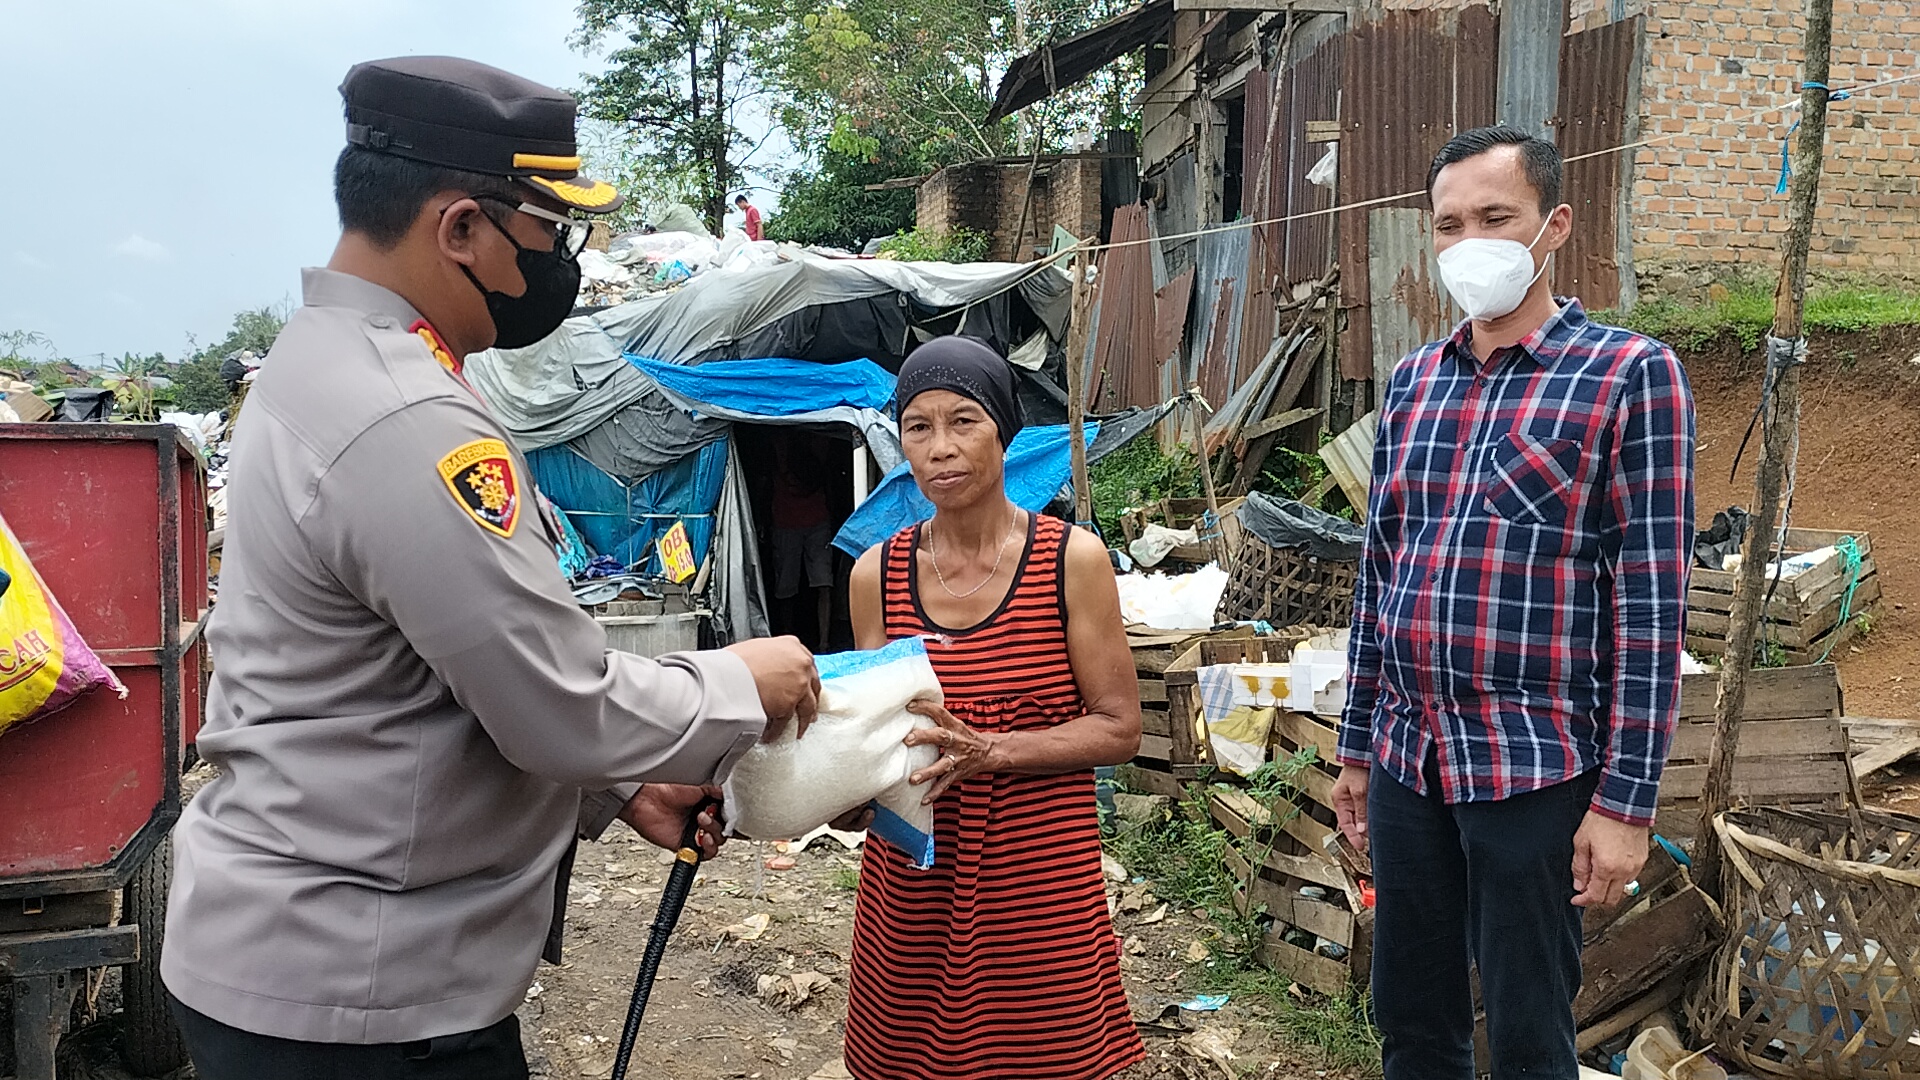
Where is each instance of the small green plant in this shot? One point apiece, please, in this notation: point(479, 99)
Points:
point(1864, 623)
point(925, 245)
point(847, 877)
point(1773, 655)
point(1137, 474)
point(1339, 1026)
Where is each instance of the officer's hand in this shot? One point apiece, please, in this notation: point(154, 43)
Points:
point(659, 813)
point(788, 684)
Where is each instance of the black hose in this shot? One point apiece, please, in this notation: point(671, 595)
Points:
point(672, 899)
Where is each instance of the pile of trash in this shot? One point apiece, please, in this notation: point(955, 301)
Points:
point(662, 256)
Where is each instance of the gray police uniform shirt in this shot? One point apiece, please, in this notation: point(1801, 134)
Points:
point(406, 704)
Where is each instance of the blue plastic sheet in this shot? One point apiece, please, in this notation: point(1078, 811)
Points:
point(1038, 464)
point(621, 518)
point(774, 387)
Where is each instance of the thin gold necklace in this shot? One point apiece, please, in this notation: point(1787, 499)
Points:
point(933, 549)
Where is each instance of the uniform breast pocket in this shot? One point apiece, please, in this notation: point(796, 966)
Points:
point(1533, 478)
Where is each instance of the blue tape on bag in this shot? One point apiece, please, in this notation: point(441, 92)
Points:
point(917, 846)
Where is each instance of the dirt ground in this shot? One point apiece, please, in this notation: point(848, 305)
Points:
point(1859, 470)
point(728, 1005)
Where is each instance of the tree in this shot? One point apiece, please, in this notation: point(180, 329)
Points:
point(197, 385)
point(831, 205)
point(677, 83)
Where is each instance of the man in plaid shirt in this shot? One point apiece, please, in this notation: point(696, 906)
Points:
point(1517, 632)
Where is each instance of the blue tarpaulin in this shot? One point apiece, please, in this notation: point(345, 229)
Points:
point(622, 518)
point(1038, 464)
point(774, 387)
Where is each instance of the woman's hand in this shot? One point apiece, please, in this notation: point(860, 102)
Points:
point(963, 751)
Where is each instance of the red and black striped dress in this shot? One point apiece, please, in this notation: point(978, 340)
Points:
point(1000, 962)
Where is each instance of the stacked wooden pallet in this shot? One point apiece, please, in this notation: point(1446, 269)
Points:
point(1167, 755)
point(1793, 750)
point(1809, 615)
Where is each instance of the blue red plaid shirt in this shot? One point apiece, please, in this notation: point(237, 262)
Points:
point(1521, 605)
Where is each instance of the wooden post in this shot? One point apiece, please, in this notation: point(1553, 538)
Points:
point(1218, 542)
point(1782, 420)
point(1078, 341)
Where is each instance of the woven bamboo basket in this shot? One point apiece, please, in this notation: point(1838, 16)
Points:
point(1287, 586)
point(1820, 975)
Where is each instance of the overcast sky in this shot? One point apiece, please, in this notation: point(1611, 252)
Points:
point(172, 160)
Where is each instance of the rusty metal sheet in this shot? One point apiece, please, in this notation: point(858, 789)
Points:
point(1599, 72)
point(1170, 305)
point(1410, 80)
point(1125, 353)
point(1410, 308)
point(1213, 348)
point(1215, 375)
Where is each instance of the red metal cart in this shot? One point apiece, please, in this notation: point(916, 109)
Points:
point(114, 517)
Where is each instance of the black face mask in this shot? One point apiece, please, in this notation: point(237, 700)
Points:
point(553, 281)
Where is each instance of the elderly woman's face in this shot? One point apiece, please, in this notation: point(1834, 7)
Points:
point(953, 446)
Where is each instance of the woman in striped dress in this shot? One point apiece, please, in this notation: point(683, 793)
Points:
point(1000, 962)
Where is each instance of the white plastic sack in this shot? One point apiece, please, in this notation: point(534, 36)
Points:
point(1178, 602)
point(1326, 171)
point(852, 755)
point(1157, 541)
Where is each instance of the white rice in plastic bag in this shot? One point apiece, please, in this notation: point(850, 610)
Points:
point(852, 755)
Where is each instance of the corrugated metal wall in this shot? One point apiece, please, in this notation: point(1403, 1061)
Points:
point(1220, 299)
point(1409, 81)
point(1598, 71)
point(1125, 369)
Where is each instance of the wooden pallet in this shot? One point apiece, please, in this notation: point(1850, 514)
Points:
point(1163, 746)
point(1793, 750)
point(1804, 615)
point(1290, 864)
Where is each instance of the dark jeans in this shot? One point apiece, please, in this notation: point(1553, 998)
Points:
point(221, 1052)
point(1491, 882)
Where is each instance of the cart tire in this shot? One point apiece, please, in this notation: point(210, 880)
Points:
point(149, 1042)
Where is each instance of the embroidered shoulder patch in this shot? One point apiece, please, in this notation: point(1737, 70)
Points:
point(480, 476)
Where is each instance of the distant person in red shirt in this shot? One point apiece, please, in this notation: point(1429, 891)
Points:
point(752, 212)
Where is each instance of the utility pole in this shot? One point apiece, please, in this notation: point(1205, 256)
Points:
point(1786, 351)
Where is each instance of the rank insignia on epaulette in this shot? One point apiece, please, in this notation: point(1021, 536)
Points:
point(481, 477)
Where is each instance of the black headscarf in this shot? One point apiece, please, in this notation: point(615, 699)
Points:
point(966, 366)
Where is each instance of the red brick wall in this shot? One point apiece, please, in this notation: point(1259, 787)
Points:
point(1704, 201)
point(987, 198)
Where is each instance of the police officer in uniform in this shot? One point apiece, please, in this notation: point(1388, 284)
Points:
point(411, 718)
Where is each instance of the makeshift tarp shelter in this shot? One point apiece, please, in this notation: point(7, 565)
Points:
point(624, 412)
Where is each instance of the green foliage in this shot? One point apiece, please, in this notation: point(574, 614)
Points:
point(1743, 308)
point(676, 83)
point(846, 877)
point(831, 205)
point(1339, 1026)
point(923, 245)
point(197, 386)
point(1137, 474)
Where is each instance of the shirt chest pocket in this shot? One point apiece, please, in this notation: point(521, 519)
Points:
point(1533, 478)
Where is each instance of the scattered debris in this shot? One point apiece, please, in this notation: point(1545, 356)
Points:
point(752, 928)
point(793, 990)
point(1159, 915)
point(1214, 1044)
point(1112, 868)
point(1206, 1002)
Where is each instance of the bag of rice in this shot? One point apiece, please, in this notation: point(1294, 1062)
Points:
point(852, 755)
point(44, 665)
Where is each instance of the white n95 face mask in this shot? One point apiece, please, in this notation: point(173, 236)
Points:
point(1488, 278)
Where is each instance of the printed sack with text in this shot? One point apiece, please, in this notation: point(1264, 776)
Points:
point(44, 666)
